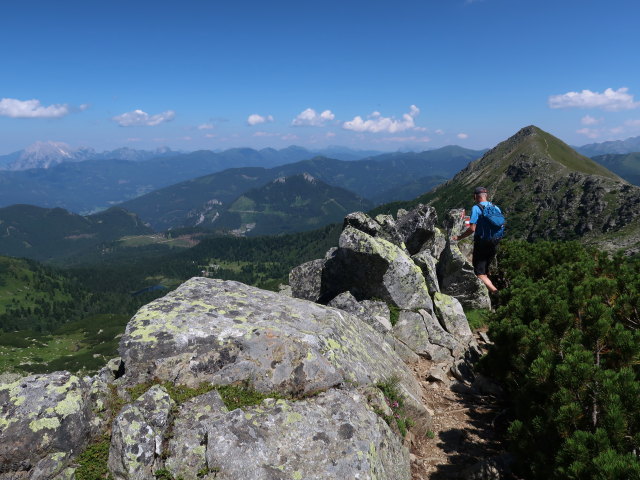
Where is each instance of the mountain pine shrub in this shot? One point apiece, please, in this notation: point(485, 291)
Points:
point(567, 347)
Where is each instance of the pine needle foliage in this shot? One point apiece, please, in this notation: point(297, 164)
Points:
point(567, 346)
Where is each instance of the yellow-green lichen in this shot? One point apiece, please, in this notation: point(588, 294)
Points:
point(443, 299)
point(48, 422)
point(297, 475)
point(70, 404)
point(293, 417)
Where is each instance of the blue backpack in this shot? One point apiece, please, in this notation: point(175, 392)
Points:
point(494, 220)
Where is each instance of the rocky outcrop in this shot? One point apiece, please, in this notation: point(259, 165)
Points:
point(409, 264)
point(137, 435)
point(224, 332)
point(44, 420)
point(332, 435)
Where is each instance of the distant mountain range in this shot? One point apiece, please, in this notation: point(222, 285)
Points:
point(625, 165)
point(629, 145)
point(48, 154)
point(380, 177)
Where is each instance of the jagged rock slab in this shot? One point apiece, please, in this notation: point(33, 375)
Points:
point(374, 313)
point(458, 280)
point(138, 435)
point(451, 315)
point(428, 265)
point(333, 435)
point(371, 267)
point(226, 332)
point(417, 227)
point(412, 330)
point(306, 280)
point(44, 419)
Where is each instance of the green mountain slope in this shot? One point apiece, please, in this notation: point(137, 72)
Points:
point(288, 204)
point(626, 165)
point(383, 175)
point(43, 234)
point(548, 191)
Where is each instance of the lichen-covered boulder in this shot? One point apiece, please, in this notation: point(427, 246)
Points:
point(137, 437)
point(456, 278)
point(306, 280)
point(371, 267)
point(224, 332)
point(44, 420)
point(428, 265)
point(417, 227)
point(332, 435)
point(451, 315)
point(374, 313)
point(187, 448)
point(412, 331)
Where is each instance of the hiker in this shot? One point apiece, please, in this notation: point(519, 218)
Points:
point(485, 235)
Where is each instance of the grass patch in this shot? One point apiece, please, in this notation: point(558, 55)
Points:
point(235, 396)
point(92, 463)
point(394, 314)
point(82, 346)
point(395, 401)
point(478, 318)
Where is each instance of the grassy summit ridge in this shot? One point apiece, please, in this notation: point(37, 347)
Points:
point(547, 190)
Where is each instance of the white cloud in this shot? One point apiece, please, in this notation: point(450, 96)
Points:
point(330, 134)
point(210, 135)
point(409, 139)
point(310, 118)
point(440, 131)
point(611, 100)
point(289, 136)
point(376, 123)
point(11, 107)
point(255, 119)
point(265, 134)
point(206, 126)
point(140, 118)
point(462, 136)
point(589, 132)
point(632, 123)
point(589, 120)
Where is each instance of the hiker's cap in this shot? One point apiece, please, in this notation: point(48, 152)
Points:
point(479, 190)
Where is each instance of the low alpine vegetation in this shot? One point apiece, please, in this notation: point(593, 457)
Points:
point(567, 347)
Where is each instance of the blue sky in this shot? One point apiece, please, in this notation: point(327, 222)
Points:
point(369, 74)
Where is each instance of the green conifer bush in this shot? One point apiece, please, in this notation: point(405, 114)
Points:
point(567, 347)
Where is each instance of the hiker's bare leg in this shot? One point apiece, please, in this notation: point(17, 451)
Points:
point(485, 279)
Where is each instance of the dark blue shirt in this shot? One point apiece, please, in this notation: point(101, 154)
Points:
point(482, 228)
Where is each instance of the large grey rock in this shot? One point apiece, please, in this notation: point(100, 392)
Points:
point(451, 315)
point(187, 449)
point(374, 313)
point(306, 280)
point(224, 332)
point(428, 265)
point(44, 420)
point(417, 227)
point(371, 267)
point(332, 435)
point(456, 278)
point(137, 437)
point(436, 244)
point(439, 336)
point(412, 331)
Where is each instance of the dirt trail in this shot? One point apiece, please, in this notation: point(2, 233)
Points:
point(467, 428)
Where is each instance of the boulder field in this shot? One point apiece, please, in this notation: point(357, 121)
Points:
point(321, 362)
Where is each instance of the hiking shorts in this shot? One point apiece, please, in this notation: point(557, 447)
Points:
point(483, 254)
